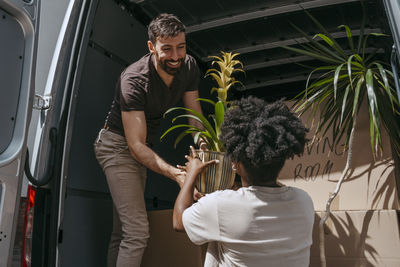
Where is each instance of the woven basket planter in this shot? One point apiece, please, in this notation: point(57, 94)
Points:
point(216, 176)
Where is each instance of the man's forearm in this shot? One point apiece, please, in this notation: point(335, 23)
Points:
point(136, 131)
point(151, 160)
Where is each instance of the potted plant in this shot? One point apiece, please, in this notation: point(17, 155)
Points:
point(220, 176)
point(345, 78)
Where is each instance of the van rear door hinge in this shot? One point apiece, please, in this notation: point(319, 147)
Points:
point(41, 102)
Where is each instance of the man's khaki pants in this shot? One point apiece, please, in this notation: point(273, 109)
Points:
point(126, 179)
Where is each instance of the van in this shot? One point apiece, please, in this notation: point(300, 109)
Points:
point(55, 208)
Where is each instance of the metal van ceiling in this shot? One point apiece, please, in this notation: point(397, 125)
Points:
point(258, 28)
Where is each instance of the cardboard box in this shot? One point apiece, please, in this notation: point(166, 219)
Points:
point(371, 185)
point(169, 248)
point(358, 238)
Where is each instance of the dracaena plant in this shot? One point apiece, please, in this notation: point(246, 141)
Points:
point(343, 79)
point(225, 66)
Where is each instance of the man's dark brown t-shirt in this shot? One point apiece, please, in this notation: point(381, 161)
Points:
point(141, 88)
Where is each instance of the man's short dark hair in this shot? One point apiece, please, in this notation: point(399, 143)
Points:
point(165, 25)
point(262, 136)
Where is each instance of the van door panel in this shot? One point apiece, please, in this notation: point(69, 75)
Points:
point(18, 28)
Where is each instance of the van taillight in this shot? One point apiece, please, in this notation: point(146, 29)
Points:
point(28, 228)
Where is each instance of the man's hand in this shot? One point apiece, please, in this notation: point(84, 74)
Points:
point(180, 176)
point(135, 132)
point(196, 194)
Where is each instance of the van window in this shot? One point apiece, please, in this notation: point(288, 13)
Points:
point(11, 55)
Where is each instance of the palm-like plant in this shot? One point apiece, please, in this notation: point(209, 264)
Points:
point(344, 79)
point(226, 66)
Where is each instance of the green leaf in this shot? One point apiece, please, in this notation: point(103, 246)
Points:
point(176, 127)
point(181, 136)
point(186, 116)
point(219, 115)
point(370, 90)
point(359, 58)
point(371, 131)
point(378, 34)
point(349, 70)
point(203, 119)
point(196, 137)
point(206, 100)
point(344, 102)
point(326, 81)
point(325, 38)
point(336, 46)
point(312, 54)
point(306, 102)
point(372, 97)
point(357, 93)
point(349, 36)
point(336, 78)
point(385, 80)
point(309, 77)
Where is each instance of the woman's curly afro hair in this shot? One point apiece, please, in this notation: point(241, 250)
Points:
point(262, 136)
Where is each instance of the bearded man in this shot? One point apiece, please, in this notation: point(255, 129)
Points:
point(144, 91)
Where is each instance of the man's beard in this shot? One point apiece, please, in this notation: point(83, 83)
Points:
point(168, 69)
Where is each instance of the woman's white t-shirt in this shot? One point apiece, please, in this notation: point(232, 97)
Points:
point(253, 226)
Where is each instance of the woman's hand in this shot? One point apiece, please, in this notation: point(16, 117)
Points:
point(194, 166)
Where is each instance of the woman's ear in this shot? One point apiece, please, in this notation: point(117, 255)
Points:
point(237, 167)
point(234, 166)
point(241, 171)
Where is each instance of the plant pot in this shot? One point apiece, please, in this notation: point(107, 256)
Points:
point(216, 176)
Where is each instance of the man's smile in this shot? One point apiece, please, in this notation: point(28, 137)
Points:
point(173, 63)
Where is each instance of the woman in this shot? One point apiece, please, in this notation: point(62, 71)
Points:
point(264, 223)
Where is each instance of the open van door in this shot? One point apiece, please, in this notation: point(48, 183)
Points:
point(392, 8)
point(52, 139)
point(19, 20)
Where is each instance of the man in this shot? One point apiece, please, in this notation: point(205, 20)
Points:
point(263, 223)
point(144, 91)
